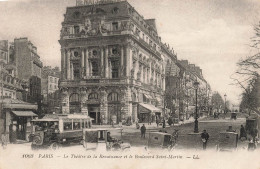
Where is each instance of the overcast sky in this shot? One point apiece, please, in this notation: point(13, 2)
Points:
point(213, 34)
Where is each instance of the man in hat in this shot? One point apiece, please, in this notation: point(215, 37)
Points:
point(204, 138)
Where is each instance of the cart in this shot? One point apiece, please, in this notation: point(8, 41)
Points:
point(159, 140)
point(227, 141)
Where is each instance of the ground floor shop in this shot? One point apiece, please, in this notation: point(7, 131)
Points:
point(112, 105)
point(16, 119)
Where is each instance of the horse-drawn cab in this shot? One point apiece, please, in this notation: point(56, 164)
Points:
point(52, 131)
point(104, 139)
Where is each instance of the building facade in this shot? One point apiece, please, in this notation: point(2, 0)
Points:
point(28, 65)
point(14, 112)
point(50, 89)
point(111, 63)
point(115, 67)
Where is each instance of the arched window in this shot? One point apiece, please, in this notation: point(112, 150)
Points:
point(74, 97)
point(93, 96)
point(113, 97)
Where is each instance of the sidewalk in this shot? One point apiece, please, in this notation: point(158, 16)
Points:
point(149, 126)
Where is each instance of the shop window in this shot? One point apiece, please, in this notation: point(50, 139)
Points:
point(93, 96)
point(113, 97)
point(115, 68)
point(95, 69)
point(115, 26)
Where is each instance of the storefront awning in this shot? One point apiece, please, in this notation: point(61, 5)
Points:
point(149, 107)
point(24, 113)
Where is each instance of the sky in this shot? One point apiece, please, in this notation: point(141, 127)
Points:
point(213, 34)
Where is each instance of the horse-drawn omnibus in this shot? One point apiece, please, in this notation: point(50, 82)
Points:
point(54, 130)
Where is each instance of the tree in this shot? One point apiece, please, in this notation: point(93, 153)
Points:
point(247, 76)
point(256, 38)
point(217, 101)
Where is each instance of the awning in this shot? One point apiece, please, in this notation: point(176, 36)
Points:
point(148, 96)
point(149, 107)
point(24, 113)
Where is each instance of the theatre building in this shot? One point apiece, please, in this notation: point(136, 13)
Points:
point(111, 63)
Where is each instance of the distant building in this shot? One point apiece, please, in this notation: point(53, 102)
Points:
point(50, 89)
point(13, 110)
point(29, 67)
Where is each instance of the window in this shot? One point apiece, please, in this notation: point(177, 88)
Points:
point(113, 97)
point(76, 29)
point(74, 97)
point(94, 53)
point(93, 96)
point(67, 126)
point(76, 71)
point(82, 124)
point(115, 68)
point(95, 68)
point(51, 79)
point(76, 54)
point(115, 26)
point(76, 125)
point(76, 15)
point(115, 10)
point(50, 87)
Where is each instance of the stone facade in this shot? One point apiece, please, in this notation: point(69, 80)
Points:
point(111, 60)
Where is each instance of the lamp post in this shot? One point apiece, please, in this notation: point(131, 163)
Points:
point(225, 104)
point(196, 123)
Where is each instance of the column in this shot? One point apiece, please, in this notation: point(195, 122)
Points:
point(86, 62)
point(102, 62)
point(63, 57)
point(82, 62)
point(84, 98)
point(122, 66)
point(127, 60)
point(106, 62)
point(82, 58)
point(104, 107)
point(71, 72)
point(68, 64)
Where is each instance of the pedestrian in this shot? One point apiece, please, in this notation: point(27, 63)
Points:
point(157, 121)
point(254, 134)
point(242, 133)
point(163, 123)
point(143, 130)
point(4, 140)
point(204, 138)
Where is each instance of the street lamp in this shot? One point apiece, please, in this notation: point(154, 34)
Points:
point(225, 104)
point(196, 126)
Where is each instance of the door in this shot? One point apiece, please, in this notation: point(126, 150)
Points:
point(21, 128)
point(95, 116)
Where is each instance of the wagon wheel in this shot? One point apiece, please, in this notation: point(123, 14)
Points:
point(54, 146)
